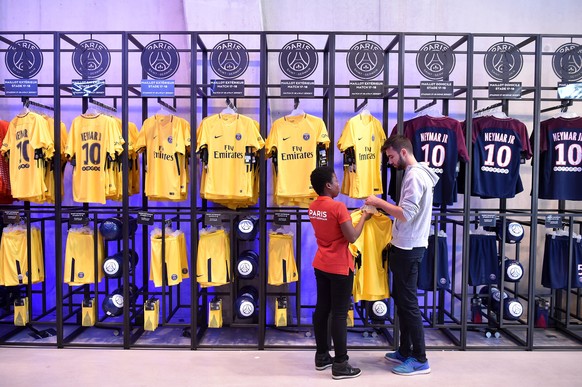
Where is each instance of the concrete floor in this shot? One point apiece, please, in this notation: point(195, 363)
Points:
point(115, 367)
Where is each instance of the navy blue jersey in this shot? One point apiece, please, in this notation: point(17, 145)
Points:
point(483, 264)
point(555, 265)
point(440, 142)
point(561, 159)
point(427, 265)
point(498, 144)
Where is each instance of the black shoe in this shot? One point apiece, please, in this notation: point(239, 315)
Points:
point(344, 371)
point(323, 361)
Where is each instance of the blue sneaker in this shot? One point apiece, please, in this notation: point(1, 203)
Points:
point(395, 357)
point(412, 367)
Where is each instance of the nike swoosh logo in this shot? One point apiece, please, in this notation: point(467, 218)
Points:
point(286, 138)
point(154, 137)
point(218, 136)
point(360, 138)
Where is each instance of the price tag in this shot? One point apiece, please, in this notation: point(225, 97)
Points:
point(213, 220)
point(554, 221)
point(79, 218)
point(11, 217)
point(282, 218)
point(146, 218)
point(487, 220)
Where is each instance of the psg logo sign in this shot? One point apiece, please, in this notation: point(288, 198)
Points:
point(298, 59)
point(567, 62)
point(435, 60)
point(23, 59)
point(365, 60)
point(91, 59)
point(160, 59)
point(229, 59)
point(503, 61)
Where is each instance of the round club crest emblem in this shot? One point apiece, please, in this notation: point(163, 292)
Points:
point(503, 61)
point(365, 60)
point(160, 59)
point(435, 60)
point(23, 59)
point(567, 62)
point(229, 59)
point(298, 59)
point(91, 59)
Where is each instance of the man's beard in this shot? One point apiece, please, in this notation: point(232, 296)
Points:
point(400, 165)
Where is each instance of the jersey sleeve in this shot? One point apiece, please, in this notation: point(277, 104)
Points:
point(346, 139)
point(527, 150)
point(202, 135)
point(182, 129)
point(255, 139)
point(186, 134)
point(64, 137)
point(41, 138)
point(272, 140)
point(260, 139)
point(140, 143)
point(322, 135)
point(70, 147)
point(461, 147)
point(114, 142)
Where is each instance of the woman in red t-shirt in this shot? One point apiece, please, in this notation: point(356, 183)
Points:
point(334, 271)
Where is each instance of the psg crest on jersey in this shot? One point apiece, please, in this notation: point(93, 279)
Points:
point(298, 59)
point(435, 60)
point(229, 59)
point(91, 59)
point(567, 62)
point(160, 59)
point(365, 60)
point(503, 61)
point(23, 59)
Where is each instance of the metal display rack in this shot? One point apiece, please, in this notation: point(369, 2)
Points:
point(447, 313)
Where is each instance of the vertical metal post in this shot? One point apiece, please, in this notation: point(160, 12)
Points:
point(194, 190)
point(263, 111)
point(467, 197)
point(58, 183)
point(125, 188)
point(534, 193)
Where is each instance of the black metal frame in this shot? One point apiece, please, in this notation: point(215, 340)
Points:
point(566, 306)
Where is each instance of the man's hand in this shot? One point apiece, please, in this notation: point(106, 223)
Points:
point(373, 201)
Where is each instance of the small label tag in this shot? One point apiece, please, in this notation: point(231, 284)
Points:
point(79, 218)
point(366, 88)
point(508, 90)
point(227, 88)
point(11, 217)
point(554, 221)
point(436, 89)
point(282, 218)
point(146, 218)
point(213, 220)
point(157, 87)
point(21, 87)
point(487, 220)
point(88, 88)
point(304, 88)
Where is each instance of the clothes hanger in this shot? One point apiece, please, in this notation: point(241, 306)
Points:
point(498, 113)
point(230, 108)
point(91, 111)
point(297, 111)
point(24, 111)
